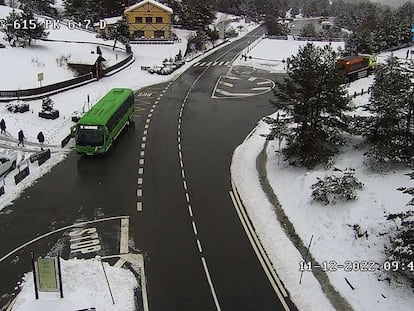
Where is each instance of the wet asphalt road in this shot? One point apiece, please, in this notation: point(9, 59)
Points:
point(80, 189)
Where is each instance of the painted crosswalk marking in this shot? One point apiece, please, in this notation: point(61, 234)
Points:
point(216, 63)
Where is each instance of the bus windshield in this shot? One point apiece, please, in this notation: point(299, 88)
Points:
point(90, 135)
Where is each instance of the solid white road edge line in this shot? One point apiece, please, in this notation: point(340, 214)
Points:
point(213, 292)
point(261, 249)
point(255, 248)
point(194, 228)
point(123, 244)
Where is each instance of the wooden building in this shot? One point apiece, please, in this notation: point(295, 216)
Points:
point(149, 19)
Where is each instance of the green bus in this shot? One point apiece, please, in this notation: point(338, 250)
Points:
point(98, 128)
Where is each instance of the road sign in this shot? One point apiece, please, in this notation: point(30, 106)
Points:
point(47, 276)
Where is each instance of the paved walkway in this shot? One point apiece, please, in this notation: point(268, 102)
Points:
point(337, 301)
point(9, 142)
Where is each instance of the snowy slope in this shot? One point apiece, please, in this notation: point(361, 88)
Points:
point(332, 227)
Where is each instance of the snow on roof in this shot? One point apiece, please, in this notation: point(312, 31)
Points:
point(110, 20)
point(85, 59)
point(153, 2)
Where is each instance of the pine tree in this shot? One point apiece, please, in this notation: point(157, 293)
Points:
point(94, 10)
point(194, 14)
point(308, 31)
point(32, 33)
point(39, 6)
point(401, 248)
point(120, 32)
point(315, 99)
point(391, 105)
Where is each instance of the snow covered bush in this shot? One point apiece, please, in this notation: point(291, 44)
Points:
point(336, 188)
point(63, 60)
point(401, 247)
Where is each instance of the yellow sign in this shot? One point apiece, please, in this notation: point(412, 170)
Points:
point(40, 76)
point(47, 274)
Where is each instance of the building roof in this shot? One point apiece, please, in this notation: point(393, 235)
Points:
point(85, 59)
point(153, 2)
point(110, 20)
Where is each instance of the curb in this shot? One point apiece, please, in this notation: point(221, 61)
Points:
point(335, 298)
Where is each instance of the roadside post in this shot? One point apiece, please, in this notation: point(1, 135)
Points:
point(40, 78)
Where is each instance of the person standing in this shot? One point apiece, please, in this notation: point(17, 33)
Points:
point(3, 127)
point(21, 138)
point(41, 139)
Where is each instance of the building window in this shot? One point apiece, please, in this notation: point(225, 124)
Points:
point(139, 34)
point(159, 34)
point(148, 20)
point(138, 20)
point(158, 20)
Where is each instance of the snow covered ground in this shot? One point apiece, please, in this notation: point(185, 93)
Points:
point(332, 227)
point(268, 54)
point(85, 286)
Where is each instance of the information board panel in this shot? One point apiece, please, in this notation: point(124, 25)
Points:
point(47, 276)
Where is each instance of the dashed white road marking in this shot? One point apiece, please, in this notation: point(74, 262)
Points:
point(146, 126)
point(196, 64)
point(141, 171)
point(152, 110)
point(199, 246)
point(145, 132)
point(149, 115)
point(144, 138)
point(139, 180)
point(252, 79)
point(187, 197)
point(190, 210)
point(194, 228)
point(139, 192)
point(139, 206)
point(141, 161)
point(185, 185)
point(143, 145)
